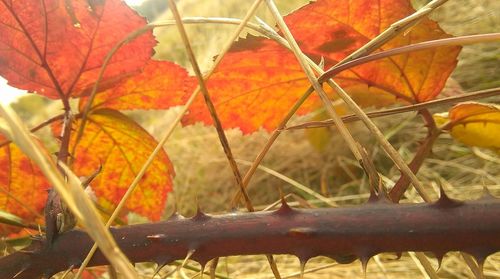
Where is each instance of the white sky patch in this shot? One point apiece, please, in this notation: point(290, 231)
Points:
point(134, 2)
point(9, 94)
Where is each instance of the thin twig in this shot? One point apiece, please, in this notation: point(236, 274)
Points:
point(414, 107)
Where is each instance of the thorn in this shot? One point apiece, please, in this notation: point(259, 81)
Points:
point(480, 265)
point(158, 268)
point(364, 263)
point(175, 216)
point(439, 258)
point(69, 270)
point(188, 256)
point(444, 201)
point(202, 270)
point(284, 208)
point(398, 256)
point(382, 196)
point(213, 267)
point(373, 196)
point(302, 268)
point(200, 216)
point(486, 194)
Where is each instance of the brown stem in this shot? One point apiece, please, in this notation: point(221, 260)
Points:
point(423, 152)
point(341, 233)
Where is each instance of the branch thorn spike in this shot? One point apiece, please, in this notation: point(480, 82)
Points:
point(444, 201)
point(174, 216)
point(284, 208)
point(199, 216)
point(439, 258)
point(364, 264)
point(202, 270)
point(486, 194)
point(382, 198)
point(302, 268)
point(188, 256)
point(213, 267)
point(158, 268)
point(160, 262)
point(373, 196)
point(480, 264)
point(398, 255)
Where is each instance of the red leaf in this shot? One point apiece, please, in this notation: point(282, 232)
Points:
point(56, 47)
point(23, 188)
point(160, 85)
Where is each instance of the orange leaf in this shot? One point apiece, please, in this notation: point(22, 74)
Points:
point(334, 29)
point(254, 86)
point(23, 188)
point(160, 85)
point(122, 147)
point(474, 124)
point(56, 48)
point(265, 78)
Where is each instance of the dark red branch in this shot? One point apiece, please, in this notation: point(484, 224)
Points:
point(422, 153)
point(341, 233)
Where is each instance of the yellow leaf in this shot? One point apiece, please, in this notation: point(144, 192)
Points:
point(474, 124)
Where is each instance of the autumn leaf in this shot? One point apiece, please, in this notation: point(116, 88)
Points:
point(265, 79)
point(474, 124)
point(121, 146)
point(23, 188)
point(334, 29)
point(160, 85)
point(253, 87)
point(56, 48)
